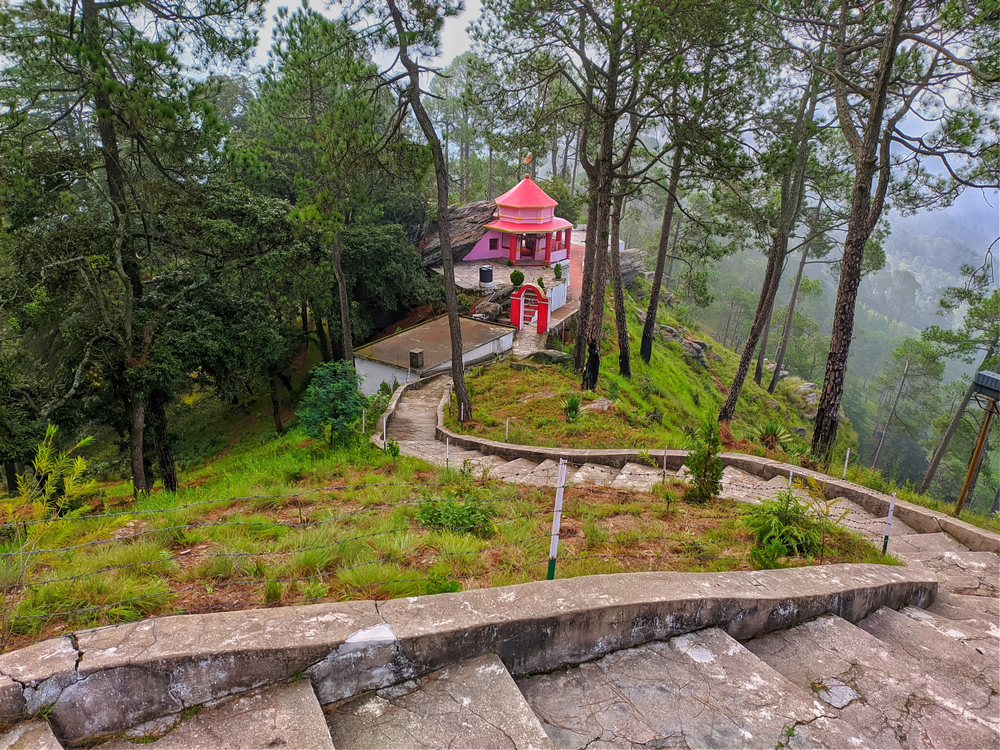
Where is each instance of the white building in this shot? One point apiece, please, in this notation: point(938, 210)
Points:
point(425, 350)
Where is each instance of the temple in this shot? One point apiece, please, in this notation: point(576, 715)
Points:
point(525, 229)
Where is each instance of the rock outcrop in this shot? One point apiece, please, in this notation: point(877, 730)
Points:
point(466, 227)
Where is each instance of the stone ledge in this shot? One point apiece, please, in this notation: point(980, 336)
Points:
point(107, 680)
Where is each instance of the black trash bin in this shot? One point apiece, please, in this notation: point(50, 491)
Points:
point(486, 276)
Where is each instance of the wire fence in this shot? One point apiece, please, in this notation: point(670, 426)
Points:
point(334, 543)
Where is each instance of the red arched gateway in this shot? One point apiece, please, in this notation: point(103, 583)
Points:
point(527, 303)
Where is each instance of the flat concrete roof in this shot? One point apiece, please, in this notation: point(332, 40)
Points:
point(434, 337)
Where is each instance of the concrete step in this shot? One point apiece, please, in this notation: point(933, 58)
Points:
point(512, 471)
point(966, 573)
point(30, 735)
point(922, 546)
point(978, 612)
point(288, 716)
point(546, 474)
point(965, 632)
point(697, 690)
point(594, 474)
point(913, 632)
point(884, 695)
point(473, 704)
point(638, 477)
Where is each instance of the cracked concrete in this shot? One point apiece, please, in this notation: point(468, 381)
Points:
point(905, 702)
point(701, 689)
point(471, 704)
point(31, 735)
point(286, 716)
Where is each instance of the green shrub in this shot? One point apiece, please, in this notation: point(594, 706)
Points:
point(771, 435)
point(571, 407)
point(541, 282)
point(557, 270)
point(510, 263)
point(473, 517)
point(516, 277)
point(786, 521)
point(332, 403)
point(705, 465)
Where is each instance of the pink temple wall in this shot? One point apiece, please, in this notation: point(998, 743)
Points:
point(481, 250)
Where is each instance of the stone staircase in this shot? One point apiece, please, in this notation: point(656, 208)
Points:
point(913, 678)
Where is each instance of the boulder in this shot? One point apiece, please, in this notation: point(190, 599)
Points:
point(806, 388)
point(602, 404)
point(800, 431)
point(631, 265)
point(550, 357)
point(490, 311)
point(467, 228)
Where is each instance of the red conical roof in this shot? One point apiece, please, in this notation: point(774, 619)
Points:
point(526, 194)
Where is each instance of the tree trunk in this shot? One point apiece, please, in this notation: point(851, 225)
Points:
point(564, 174)
point(276, 407)
point(772, 277)
point(321, 338)
point(444, 230)
point(995, 508)
point(489, 174)
point(555, 156)
point(336, 251)
point(136, 431)
point(871, 156)
point(10, 474)
point(786, 332)
point(670, 265)
point(587, 283)
point(759, 373)
point(792, 190)
point(161, 444)
point(892, 412)
point(949, 432)
point(591, 371)
point(621, 322)
point(576, 164)
point(305, 318)
point(649, 329)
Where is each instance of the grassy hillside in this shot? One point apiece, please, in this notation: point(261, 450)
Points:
point(673, 385)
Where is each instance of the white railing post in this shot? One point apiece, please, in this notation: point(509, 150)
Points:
point(888, 524)
point(556, 519)
point(846, 459)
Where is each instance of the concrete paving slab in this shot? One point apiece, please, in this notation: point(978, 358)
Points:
point(912, 631)
point(922, 546)
point(288, 716)
point(31, 735)
point(638, 477)
point(593, 474)
point(546, 474)
point(964, 631)
point(902, 703)
point(473, 704)
point(966, 573)
point(39, 673)
point(980, 612)
point(514, 470)
point(701, 689)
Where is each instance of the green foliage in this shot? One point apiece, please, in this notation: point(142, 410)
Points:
point(557, 270)
point(392, 448)
point(516, 277)
point(475, 517)
point(571, 407)
point(771, 435)
point(786, 521)
point(705, 465)
point(332, 403)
